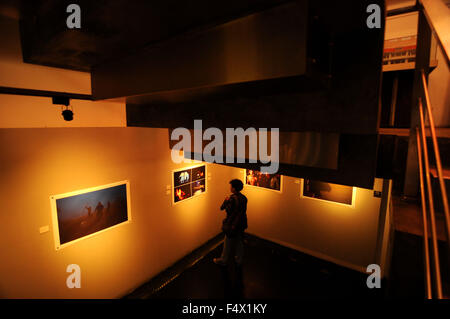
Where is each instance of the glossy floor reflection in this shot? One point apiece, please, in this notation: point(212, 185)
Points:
point(269, 271)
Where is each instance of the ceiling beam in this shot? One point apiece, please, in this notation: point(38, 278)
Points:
point(43, 93)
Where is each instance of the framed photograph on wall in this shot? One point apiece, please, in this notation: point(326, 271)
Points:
point(188, 183)
point(87, 212)
point(263, 180)
point(340, 194)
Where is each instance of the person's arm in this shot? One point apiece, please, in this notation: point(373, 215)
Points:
point(226, 203)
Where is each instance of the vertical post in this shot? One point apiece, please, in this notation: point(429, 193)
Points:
point(384, 210)
point(393, 101)
point(411, 185)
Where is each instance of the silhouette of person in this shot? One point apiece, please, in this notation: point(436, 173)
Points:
point(315, 188)
point(234, 224)
point(89, 210)
point(99, 209)
point(274, 183)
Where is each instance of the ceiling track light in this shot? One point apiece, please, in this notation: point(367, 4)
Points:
point(67, 110)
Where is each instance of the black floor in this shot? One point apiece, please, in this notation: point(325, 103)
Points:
point(407, 271)
point(269, 271)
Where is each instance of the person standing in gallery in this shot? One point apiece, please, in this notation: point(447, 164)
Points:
point(234, 224)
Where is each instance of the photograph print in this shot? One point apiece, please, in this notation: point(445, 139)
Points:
point(182, 192)
point(182, 177)
point(264, 180)
point(328, 191)
point(189, 182)
point(88, 212)
point(198, 173)
point(198, 187)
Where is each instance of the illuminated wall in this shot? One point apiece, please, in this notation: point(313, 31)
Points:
point(37, 163)
point(344, 234)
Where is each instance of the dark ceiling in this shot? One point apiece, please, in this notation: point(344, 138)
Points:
point(295, 65)
point(111, 29)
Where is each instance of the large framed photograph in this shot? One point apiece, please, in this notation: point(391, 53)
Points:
point(188, 183)
point(340, 194)
point(268, 181)
point(87, 212)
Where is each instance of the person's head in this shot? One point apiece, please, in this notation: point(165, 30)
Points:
point(236, 185)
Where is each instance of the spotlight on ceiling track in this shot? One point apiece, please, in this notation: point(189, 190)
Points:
point(66, 113)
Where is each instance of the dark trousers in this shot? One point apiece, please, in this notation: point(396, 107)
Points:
point(233, 247)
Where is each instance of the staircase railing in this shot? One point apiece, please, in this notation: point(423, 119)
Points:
point(434, 18)
point(426, 249)
point(422, 145)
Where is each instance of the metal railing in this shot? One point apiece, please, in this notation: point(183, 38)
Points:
point(426, 249)
point(437, 155)
point(433, 280)
point(422, 150)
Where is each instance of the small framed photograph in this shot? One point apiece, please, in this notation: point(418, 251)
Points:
point(329, 192)
point(188, 183)
point(263, 180)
